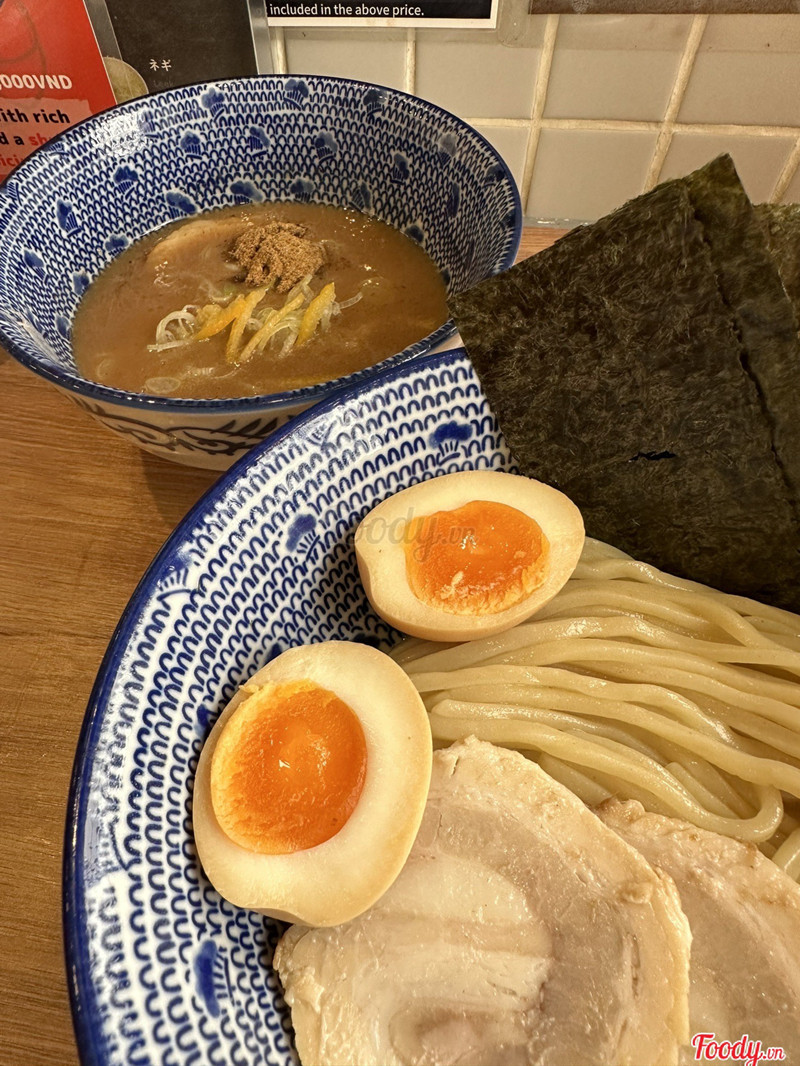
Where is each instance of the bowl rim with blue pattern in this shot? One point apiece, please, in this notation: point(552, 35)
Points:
point(75, 383)
point(448, 426)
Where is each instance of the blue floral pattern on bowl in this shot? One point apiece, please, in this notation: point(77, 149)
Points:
point(163, 969)
point(66, 210)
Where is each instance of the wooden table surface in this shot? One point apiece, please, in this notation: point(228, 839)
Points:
point(82, 513)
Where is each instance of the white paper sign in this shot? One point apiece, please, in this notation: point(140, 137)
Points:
point(435, 14)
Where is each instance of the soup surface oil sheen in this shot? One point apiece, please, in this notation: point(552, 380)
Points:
point(399, 297)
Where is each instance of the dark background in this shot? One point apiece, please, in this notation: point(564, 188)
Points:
point(200, 39)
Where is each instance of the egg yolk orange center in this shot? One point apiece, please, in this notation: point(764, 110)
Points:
point(288, 769)
point(481, 558)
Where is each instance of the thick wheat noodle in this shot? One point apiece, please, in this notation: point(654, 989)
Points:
point(788, 826)
point(791, 643)
point(451, 707)
point(684, 609)
point(775, 710)
point(655, 579)
point(576, 748)
point(710, 800)
point(701, 687)
point(454, 657)
point(543, 681)
point(576, 649)
point(754, 746)
point(409, 649)
point(641, 633)
point(650, 801)
point(612, 569)
point(719, 783)
point(674, 704)
point(597, 787)
point(638, 630)
point(784, 743)
point(779, 741)
point(768, 810)
point(594, 793)
point(585, 597)
point(549, 706)
point(727, 756)
point(597, 550)
point(621, 763)
point(581, 784)
point(782, 833)
point(570, 724)
point(779, 633)
point(788, 854)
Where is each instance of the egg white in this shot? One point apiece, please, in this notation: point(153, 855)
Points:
point(380, 551)
point(340, 878)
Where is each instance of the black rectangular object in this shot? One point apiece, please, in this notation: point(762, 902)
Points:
point(177, 42)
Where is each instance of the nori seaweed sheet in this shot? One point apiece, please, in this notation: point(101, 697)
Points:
point(617, 374)
point(782, 226)
point(751, 286)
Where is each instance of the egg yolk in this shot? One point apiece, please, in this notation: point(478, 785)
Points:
point(481, 558)
point(288, 769)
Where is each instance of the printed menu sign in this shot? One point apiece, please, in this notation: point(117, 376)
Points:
point(429, 13)
point(177, 42)
point(51, 74)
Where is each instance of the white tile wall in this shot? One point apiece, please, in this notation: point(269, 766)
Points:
point(583, 174)
point(759, 160)
point(606, 67)
point(747, 71)
point(470, 74)
point(371, 55)
point(593, 109)
point(792, 193)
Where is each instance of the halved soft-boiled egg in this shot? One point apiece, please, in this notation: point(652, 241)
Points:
point(467, 555)
point(311, 786)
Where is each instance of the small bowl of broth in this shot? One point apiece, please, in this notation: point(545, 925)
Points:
point(195, 268)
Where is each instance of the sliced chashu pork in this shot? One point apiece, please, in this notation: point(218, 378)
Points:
point(744, 913)
point(520, 931)
point(186, 246)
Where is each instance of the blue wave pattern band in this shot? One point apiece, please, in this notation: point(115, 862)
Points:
point(164, 970)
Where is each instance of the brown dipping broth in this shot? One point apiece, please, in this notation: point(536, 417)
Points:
point(403, 300)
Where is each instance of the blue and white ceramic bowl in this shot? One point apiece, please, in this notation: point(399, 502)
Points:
point(82, 198)
point(162, 970)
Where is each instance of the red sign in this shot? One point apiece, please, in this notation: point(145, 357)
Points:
point(51, 74)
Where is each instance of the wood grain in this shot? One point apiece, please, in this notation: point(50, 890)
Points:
point(83, 513)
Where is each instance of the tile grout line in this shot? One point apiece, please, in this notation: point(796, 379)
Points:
point(787, 173)
point(410, 69)
point(537, 109)
point(278, 46)
point(639, 126)
point(685, 67)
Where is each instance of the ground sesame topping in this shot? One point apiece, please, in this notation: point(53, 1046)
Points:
point(277, 253)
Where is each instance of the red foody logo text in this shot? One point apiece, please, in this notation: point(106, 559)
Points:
point(752, 1052)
